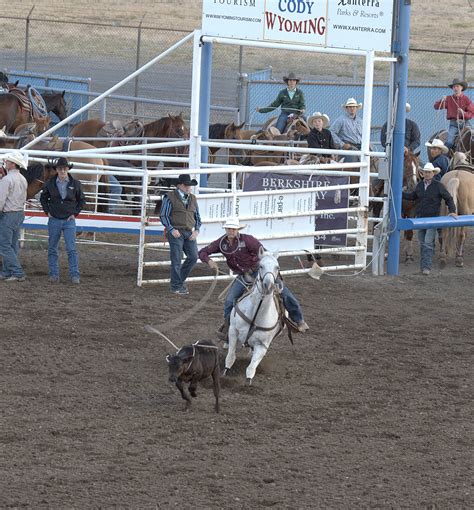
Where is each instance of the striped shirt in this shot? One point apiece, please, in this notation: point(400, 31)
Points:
point(167, 209)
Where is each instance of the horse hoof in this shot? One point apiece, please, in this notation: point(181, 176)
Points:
point(224, 373)
point(459, 263)
point(249, 381)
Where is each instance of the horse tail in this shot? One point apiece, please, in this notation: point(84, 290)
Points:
point(450, 237)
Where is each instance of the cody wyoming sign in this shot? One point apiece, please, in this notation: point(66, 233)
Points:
point(352, 24)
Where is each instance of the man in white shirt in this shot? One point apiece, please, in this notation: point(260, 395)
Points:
point(13, 189)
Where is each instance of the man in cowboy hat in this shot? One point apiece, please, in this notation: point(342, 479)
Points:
point(412, 134)
point(12, 205)
point(319, 136)
point(347, 129)
point(428, 194)
point(62, 200)
point(241, 252)
point(180, 216)
point(459, 110)
point(437, 156)
point(291, 100)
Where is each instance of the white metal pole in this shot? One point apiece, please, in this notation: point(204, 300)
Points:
point(362, 223)
point(194, 138)
point(109, 91)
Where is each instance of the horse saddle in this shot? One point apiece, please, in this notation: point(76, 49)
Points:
point(111, 129)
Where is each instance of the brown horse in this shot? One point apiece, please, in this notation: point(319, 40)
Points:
point(96, 128)
point(56, 104)
point(14, 114)
point(25, 134)
point(411, 177)
point(460, 184)
point(226, 132)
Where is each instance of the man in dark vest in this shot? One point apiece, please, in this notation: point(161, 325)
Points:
point(180, 216)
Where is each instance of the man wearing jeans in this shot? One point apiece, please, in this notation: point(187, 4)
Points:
point(62, 200)
point(428, 194)
point(241, 252)
point(180, 216)
point(13, 189)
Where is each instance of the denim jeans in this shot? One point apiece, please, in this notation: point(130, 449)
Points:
point(178, 245)
point(289, 300)
point(68, 228)
point(455, 127)
point(115, 190)
point(427, 238)
point(10, 226)
point(281, 122)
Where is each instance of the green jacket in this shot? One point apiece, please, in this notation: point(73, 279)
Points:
point(288, 105)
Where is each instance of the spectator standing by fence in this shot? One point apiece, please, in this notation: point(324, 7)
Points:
point(13, 188)
point(62, 200)
point(347, 129)
point(180, 216)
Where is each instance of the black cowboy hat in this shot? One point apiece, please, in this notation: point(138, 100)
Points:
point(54, 163)
point(458, 82)
point(186, 180)
point(291, 76)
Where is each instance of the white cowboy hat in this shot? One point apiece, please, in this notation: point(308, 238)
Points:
point(18, 158)
point(352, 102)
point(407, 107)
point(233, 223)
point(319, 115)
point(437, 144)
point(430, 168)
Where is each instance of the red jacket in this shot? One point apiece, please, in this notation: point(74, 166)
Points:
point(452, 103)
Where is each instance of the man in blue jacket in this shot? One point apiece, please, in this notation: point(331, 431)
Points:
point(428, 193)
point(62, 200)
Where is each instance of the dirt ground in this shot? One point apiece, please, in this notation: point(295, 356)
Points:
point(371, 409)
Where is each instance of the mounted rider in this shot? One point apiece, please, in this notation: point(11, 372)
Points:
point(241, 252)
point(291, 100)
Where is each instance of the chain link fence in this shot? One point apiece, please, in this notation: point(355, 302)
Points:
point(107, 53)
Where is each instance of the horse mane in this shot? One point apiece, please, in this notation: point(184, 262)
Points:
point(160, 127)
point(217, 131)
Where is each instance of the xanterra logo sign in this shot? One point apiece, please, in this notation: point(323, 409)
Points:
point(327, 23)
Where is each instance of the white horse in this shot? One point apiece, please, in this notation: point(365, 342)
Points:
point(255, 319)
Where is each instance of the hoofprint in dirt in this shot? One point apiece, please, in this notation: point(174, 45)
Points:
point(371, 409)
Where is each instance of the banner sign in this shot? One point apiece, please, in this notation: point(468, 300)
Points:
point(319, 198)
point(352, 24)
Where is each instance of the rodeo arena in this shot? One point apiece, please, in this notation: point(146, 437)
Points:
point(329, 345)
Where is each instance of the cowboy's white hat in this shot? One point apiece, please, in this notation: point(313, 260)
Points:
point(352, 102)
point(319, 115)
point(18, 158)
point(233, 223)
point(407, 107)
point(437, 144)
point(430, 168)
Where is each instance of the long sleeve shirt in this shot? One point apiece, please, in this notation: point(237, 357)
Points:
point(429, 199)
point(241, 255)
point(412, 135)
point(347, 130)
point(13, 189)
point(442, 162)
point(288, 104)
point(167, 209)
point(452, 103)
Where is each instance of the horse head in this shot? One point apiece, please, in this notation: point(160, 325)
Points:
point(268, 271)
point(177, 126)
point(133, 129)
point(57, 104)
point(411, 171)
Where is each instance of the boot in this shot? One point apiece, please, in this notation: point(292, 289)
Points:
point(302, 327)
point(223, 330)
